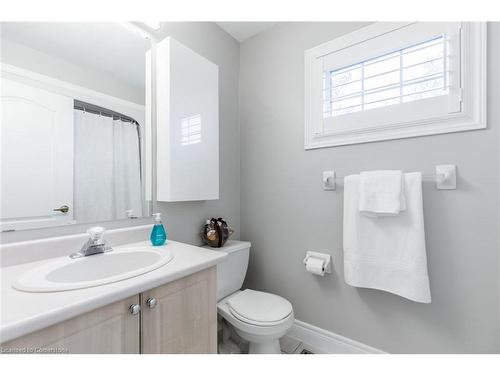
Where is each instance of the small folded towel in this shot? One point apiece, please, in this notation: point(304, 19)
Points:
point(387, 254)
point(381, 193)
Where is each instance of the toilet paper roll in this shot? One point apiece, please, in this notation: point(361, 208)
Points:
point(316, 266)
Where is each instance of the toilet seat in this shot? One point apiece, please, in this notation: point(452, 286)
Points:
point(259, 308)
point(263, 336)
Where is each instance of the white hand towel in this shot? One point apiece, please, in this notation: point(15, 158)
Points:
point(381, 193)
point(388, 253)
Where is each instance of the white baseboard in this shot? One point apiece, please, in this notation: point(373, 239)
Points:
point(321, 341)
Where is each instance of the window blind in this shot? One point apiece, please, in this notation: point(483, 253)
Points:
point(407, 74)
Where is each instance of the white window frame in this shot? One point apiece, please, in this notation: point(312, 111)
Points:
point(464, 107)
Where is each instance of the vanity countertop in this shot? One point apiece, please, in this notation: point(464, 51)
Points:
point(25, 312)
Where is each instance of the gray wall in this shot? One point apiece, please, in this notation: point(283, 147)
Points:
point(284, 211)
point(185, 219)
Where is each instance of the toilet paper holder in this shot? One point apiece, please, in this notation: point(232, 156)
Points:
point(326, 258)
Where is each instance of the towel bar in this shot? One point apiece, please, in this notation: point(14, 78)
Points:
point(445, 178)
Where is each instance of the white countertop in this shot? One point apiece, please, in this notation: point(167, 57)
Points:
point(24, 312)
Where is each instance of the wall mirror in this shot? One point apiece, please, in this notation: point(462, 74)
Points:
point(73, 129)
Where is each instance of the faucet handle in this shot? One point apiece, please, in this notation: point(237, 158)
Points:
point(95, 244)
point(96, 234)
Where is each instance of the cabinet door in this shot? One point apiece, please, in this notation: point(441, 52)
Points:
point(184, 319)
point(109, 329)
point(187, 129)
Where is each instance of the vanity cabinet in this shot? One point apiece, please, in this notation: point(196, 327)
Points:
point(181, 317)
point(178, 317)
point(109, 329)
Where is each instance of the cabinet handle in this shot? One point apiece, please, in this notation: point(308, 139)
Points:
point(151, 302)
point(134, 309)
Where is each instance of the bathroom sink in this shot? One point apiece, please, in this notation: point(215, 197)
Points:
point(68, 274)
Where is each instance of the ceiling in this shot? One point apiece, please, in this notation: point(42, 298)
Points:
point(244, 30)
point(103, 46)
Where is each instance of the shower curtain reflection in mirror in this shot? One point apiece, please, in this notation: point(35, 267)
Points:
point(107, 168)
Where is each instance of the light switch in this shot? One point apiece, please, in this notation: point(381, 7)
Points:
point(329, 180)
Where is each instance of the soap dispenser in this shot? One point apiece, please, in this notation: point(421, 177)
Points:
point(158, 234)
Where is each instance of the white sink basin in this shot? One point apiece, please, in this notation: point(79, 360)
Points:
point(68, 274)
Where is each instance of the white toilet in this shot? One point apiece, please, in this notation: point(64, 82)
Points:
point(258, 317)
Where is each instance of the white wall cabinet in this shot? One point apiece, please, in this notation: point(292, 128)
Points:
point(187, 131)
point(183, 320)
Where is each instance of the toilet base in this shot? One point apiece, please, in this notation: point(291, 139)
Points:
point(267, 347)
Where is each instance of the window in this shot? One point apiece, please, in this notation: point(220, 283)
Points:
point(409, 74)
point(395, 80)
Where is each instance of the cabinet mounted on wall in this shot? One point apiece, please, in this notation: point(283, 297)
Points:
point(187, 124)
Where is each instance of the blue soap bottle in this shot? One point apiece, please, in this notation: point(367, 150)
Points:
point(158, 234)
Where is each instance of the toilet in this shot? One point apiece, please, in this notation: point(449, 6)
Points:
point(258, 317)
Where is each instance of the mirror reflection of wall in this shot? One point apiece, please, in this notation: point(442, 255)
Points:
point(72, 125)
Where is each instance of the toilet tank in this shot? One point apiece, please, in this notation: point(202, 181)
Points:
point(231, 272)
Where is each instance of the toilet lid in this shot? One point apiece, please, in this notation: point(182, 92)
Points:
point(259, 307)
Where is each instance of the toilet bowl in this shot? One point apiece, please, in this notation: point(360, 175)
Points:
point(257, 317)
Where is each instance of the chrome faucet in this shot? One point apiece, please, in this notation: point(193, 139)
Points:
point(94, 245)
